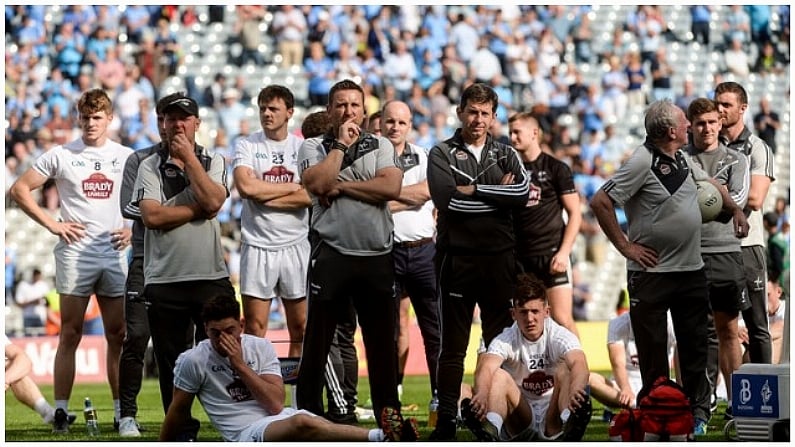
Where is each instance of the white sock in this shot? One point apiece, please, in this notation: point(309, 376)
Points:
point(44, 409)
point(375, 435)
point(62, 404)
point(117, 409)
point(729, 404)
point(495, 419)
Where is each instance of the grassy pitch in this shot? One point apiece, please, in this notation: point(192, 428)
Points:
point(23, 424)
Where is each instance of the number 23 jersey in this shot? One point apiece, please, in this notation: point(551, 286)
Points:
point(532, 364)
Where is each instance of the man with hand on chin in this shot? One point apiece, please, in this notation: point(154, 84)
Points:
point(351, 176)
point(238, 381)
point(179, 191)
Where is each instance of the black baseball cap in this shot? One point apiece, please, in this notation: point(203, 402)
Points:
point(182, 102)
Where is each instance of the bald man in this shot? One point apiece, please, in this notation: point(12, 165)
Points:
point(414, 247)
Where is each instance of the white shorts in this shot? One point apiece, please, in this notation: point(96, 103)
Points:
point(255, 432)
point(86, 275)
point(280, 273)
point(535, 431)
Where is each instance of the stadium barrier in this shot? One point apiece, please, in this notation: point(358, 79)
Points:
point(90, 356)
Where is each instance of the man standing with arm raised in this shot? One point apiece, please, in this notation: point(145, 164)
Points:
point(179, 191)
point(350, 176)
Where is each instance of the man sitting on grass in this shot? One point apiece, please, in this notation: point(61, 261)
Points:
point(622, 389)
point(532, 381)
point(238, 381)
point(18, 368)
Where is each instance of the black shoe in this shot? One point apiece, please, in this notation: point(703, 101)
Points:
point(444, 431)
point(410, 432)
point(190, 432)
point(484, 431)
point(60, 423)
point(346, 419)
point(574, 429)
point(71, 418)
point(727, 416)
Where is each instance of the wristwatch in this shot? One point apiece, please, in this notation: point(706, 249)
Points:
point(340, 146)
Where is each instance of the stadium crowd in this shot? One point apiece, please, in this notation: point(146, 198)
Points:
point(533, 57)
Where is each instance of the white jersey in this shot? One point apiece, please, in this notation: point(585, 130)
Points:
point(532, 364)
point(771, 319)
point(619, 330)
point(225, 398)
point(273, 162)
point(415, 224)
point(88, 180)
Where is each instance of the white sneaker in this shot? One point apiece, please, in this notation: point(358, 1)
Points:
point(128, 428)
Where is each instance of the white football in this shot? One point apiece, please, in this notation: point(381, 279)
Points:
point(709, 201)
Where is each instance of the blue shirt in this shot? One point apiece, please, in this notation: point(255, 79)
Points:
point(699, 14)
point(319, 70)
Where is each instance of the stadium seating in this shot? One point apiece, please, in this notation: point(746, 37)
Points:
point(207, 50)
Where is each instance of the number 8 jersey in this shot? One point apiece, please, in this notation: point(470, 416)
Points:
point(88, 180)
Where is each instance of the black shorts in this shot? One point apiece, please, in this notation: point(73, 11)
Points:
point(539, 266)
point(726, 282)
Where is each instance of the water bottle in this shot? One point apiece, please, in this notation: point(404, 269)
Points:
point(433, 411)
point(92, 425)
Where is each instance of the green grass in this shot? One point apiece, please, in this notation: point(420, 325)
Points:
point(23, 424)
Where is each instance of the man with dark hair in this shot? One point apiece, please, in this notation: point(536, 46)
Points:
point(274, 254)
point(373, 124)
point(732, 103)
point(342, 371)
point(657, 188)
point(315, 124)
point(720, 248)
point(179, 190)
point(350, 175)
point(476, 183)
point(237, 378)
point(531, 382)
point(90, 256)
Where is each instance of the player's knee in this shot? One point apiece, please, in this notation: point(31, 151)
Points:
point(256, 326)
point(70, 337)
point(296, 330)
point(307, 425)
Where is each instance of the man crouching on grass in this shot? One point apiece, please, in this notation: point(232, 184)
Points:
point(238, 381)
point(532, 381)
